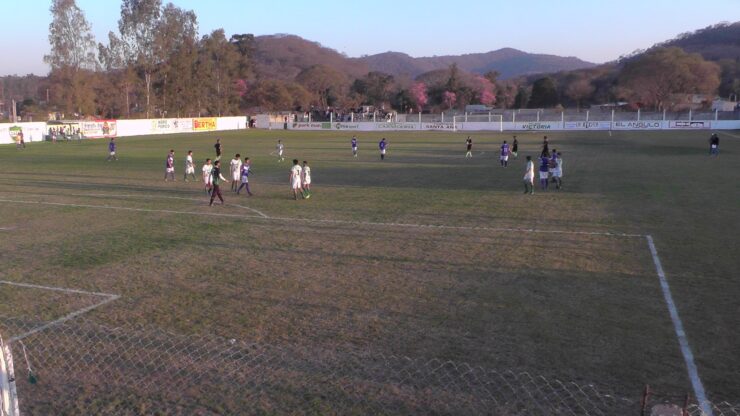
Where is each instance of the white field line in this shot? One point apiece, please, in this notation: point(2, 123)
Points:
point(326, 221)
point(678, 325)
point(730, 134)
point(263, 215)
point(683, 341)
point(108, 298)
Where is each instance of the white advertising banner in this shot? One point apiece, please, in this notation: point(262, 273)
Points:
point(690, 125)
point(32, 132)
point(538, 125)
point(638, 125)
point(587, 125)
point(99, 128)
point(171, 125)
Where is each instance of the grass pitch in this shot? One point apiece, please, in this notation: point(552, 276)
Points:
point(360, 265)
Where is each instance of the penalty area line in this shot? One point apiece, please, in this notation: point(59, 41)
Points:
point(683, 341)
point(327, 221)
point(109, 297)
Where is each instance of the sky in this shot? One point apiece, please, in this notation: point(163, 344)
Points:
point(593, 30)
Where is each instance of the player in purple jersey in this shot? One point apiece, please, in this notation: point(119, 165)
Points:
point(505, 151)
point(246, 170)
point(544, 170)
point(354, 146)
point(382, 146)
point(112, 150)
point(169, 166)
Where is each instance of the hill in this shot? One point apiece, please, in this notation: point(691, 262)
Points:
point(714, 43)
point(284, 56)
point(508, 62)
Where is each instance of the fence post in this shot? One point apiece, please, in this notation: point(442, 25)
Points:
point(663, 114)
point(374, 113)
point(443, 117)
point(513, 116)
point(466, 116)
point(331, 117)
point(690, 118)
point(419, 120)
point(562, 120)
point(309, 117)
point(586, 116)
point(716, 114)
point(638, 114)
point(538, 116)
point(612, 127)
point(352, 116)
point(501, 122)
point(489, 116)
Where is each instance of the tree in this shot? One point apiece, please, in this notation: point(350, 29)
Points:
point(218, 71)
point(544, 93)
point(375, 87)
point(449, 99)
point(578, 90)
point(246, 46)
point(419, 95)
point(484, 90)
point(522, 97)
point(138, 28)
point(72, 56)
point(120, 74)
point(655, 76)
point(322, 81)
point(176, 29)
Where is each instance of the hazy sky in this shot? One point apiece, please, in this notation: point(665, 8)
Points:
point(593, 30)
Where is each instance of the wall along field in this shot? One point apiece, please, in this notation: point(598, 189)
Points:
point(360, 267)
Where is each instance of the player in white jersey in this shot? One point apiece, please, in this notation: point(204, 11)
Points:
point(306, 179)
point(280, 148)
point(558, 171)
point(295, 179)
point(207, 178)
point(190, 167)
point(235, 167)
point(529, 176)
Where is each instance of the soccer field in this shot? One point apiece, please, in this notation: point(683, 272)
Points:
point(426, 256)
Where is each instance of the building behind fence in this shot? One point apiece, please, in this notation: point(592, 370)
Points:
point(81, 367)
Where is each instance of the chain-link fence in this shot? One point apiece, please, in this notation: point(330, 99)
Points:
point(81, 367)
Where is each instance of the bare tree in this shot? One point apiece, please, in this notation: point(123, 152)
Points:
point(138, 28)
point(72, 54)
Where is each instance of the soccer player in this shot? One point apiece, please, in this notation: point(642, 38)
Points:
point(469, 145)
point(544, 170)
point(218, 148)
point(189, 167)
point(112, 150)
point(235, 167)
point(515, 148)
point(295, 179)
point(714, 145)
point(529, 176)
point(280, 148)
point(558, 171)
point(382, 146)
point(207, 178)
point(306, 180)
point(552, 164)
point(217, 178)
point(169, 166)
point(505, 154)
point(354, 146)
point(246, 170)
